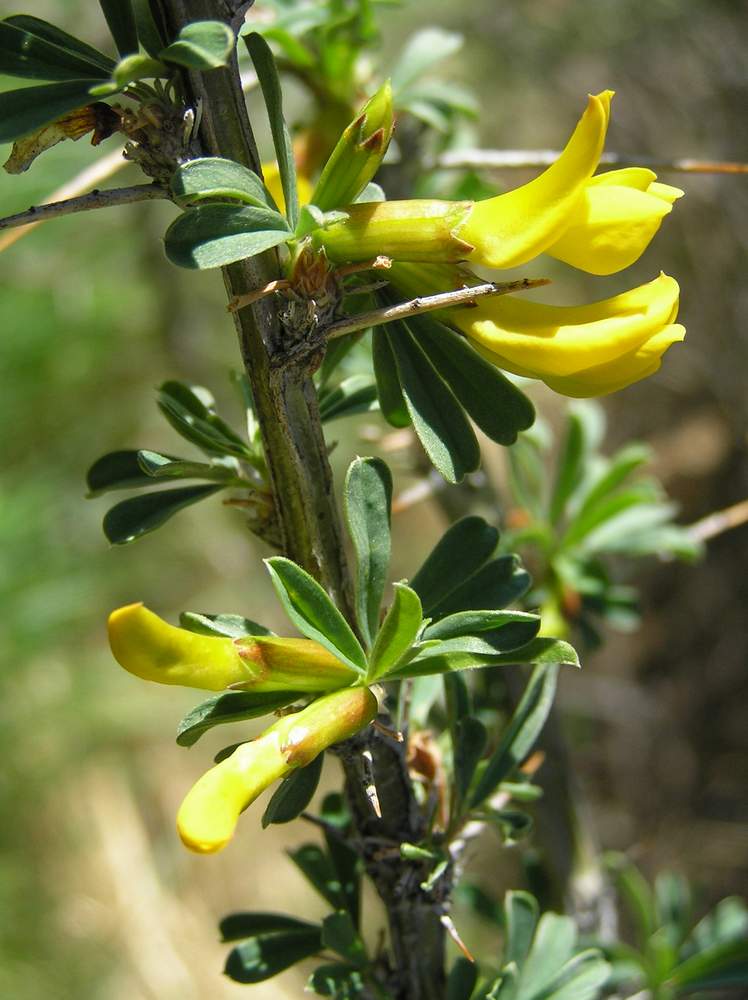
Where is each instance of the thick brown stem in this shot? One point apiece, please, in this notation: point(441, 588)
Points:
point(296, 453)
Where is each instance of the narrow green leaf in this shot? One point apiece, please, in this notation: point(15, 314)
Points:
point(201, 45)
point(496, 405)
point(438, 418)
point(55, 36)
point(313, 613)
point(721, 966)
point(345, 860)
point(636, 893)
point(317, 868)
point(117, 470)
point(469, 742)
point(582, 978)
point(29, 109)
point(128, 70)
point(121, 20)
point(231, 626)
point(339, 934)
point(470, 654)
point(215, 177)
point(230, 706)
point(512, 825)
point(391, 399)
point(148, 33)
point(267, 74)
point(133, 518)
point(462, 980)
point(28, 51)
point(552, 947)
point(466, 623)
point(293, 794)
point(456, 557)
point(398, 632)
point(423, 50)
point(520, 919)
point(217, 235)
point(367, 497)
point(190, 411)
point(160, 467)
point(522, 732)
point(265, 955)
point(241, 925)
point(356, 394)
point(570, 467)
point(614, 472)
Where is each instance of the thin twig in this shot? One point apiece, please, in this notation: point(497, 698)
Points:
point(91, 176)
point(85, 203)
point(517, 159)
point(427, 303)
point(721, 520)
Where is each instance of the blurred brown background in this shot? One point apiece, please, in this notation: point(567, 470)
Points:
point(97, 898)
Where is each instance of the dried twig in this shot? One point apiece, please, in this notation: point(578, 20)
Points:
point(721, 520)
point(85, 203)
point(427, 303)
point(518, 159)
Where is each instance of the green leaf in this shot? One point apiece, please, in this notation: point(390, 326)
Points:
point(60, 39)
point(35, 50)
point(726, 922)
point(266, 954)
point(241, 925)
point(720, 967)
point(267, 74)
point(117, 470)
point(636, 893)
point(148, 32)
point(345, 860)
point(133, 518)
point(215, 177)
point(313, 613)
point(367, 497)
point(496, 405)
point(190, 411)
point(456, 557)
point(294, 793)
point(160, 467)
point(469, 742)
point(512, 825)
point(356, 394)
point(465, 623)
point(29, 109)
point(318, 869)
point(520, 919)
point(462, 979)
point(496, 584)
point(614, 472)
point(469, 654)
point(121, 20)
point(522, 732)
point(336, 980)
point(570, 467)
point(438, 419)
point(426, 48)
point(398, 633)
point(217, 235)
point(128, 70)
point(339, 934)
point(230, 706)
point(391, 399)
point(231, 626)
point(201, 45)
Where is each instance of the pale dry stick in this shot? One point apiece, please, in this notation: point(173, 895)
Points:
point(721, 520)
point(518, 159)
point(428, 303)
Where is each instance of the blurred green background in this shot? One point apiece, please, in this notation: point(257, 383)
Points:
point(97, 898)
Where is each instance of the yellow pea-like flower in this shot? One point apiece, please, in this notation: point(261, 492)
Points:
point(208, 815)
point(615, 220)
point(149, 647)
point(272, 179)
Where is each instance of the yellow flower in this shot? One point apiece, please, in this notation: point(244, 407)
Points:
point(271, 177)
point(208, 816)
point(150, 648)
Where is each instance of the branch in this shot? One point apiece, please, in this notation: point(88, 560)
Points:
point(516, 159)
point(722, 520)
point(427, 303)
point(85, 203)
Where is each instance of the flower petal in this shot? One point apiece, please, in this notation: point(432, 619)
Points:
point(538, 340)
point(614, 221)
point(515, 227)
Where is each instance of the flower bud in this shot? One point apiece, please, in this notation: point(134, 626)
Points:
point(357, 156)
point(208, 816)
point(150, 648)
